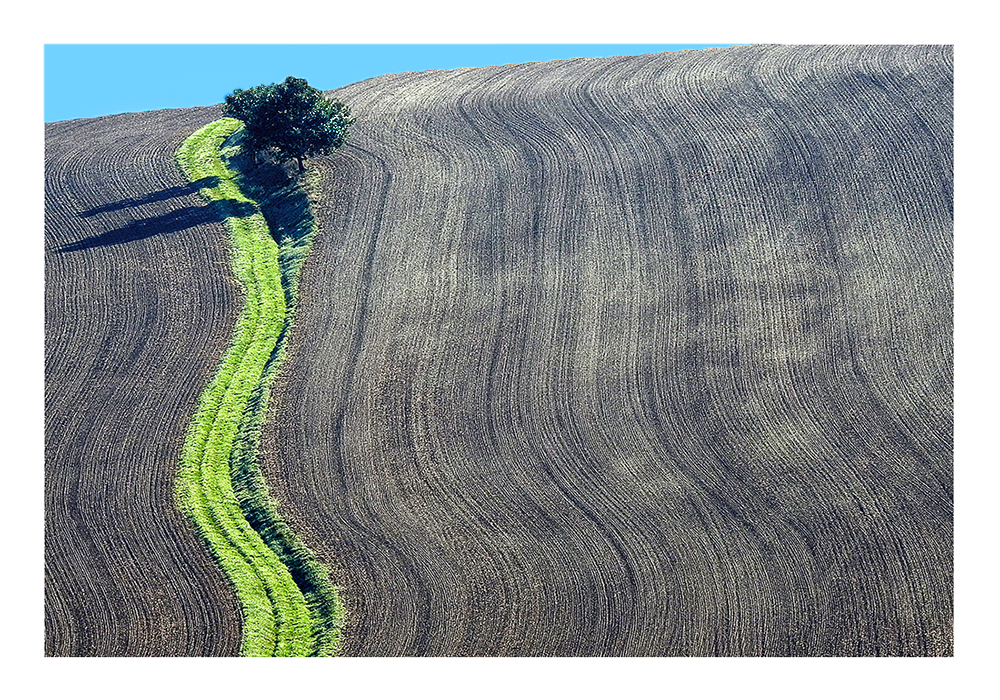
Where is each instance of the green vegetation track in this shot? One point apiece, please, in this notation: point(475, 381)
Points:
point(289, 607)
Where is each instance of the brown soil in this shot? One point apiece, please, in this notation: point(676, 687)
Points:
point(139, 304)
point(636, 356)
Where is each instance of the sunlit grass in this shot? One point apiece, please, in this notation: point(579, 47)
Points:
point(288, 604)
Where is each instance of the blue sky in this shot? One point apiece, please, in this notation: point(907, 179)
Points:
point(91, 80)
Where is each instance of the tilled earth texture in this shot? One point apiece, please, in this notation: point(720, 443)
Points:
point(139, 306)
point(633, 356)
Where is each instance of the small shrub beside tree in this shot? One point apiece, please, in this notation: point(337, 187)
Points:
point(289, 119)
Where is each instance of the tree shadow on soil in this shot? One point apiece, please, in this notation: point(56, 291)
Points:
point(178, 191)
point(171, 222)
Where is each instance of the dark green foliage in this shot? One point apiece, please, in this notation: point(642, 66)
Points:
point(289, 119)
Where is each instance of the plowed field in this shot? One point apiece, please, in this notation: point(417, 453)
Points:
point(637, 356)
point(634, 356)
point(140, 303)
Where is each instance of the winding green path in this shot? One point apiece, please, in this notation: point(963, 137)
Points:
point(289, 606)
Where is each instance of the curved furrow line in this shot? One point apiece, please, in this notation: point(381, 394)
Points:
point(538, 513)
point(879, 484)
point(927, 295)
point(441, 575)
point(109, 551)
point(790, 402)
point(396, 513)
point(344, 406)
point(650, 207)
point(482, 506)
point(918, 258)
point(462, 526)
point(653, 206)
point(570, 466)
point(603, 493)
point(370, 169)
point(561, 528)
point(700, 463)
point(544, 144)
point(816, 401)
point(635, 218)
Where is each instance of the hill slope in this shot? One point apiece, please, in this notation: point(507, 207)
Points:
point(646, 355)
point(139, 305)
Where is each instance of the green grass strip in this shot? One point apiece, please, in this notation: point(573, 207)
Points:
point(285, 205)
point(278, 620)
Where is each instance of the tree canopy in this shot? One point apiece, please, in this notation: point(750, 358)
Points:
point(290, 119)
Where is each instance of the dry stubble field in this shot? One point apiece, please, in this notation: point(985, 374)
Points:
point(637, 356)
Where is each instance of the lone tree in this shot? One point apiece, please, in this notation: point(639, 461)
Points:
point(290, 119)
